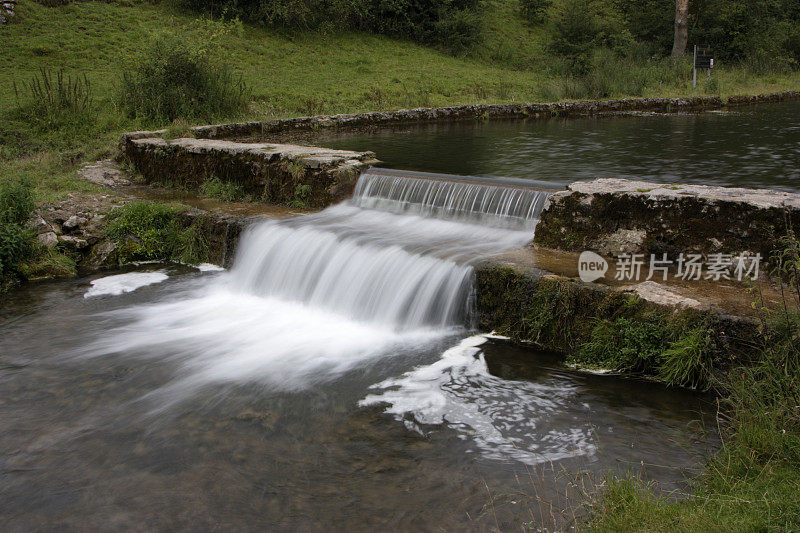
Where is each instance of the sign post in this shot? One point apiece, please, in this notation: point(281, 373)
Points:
point(703, 58)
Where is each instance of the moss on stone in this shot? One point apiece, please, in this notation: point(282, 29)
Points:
point(595, 326)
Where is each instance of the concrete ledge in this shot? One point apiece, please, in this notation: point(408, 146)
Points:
point(270, 172)
point(612, 216)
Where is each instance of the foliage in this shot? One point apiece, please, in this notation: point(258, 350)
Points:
point(154, 231)
point(173, 79)
point(222, 190)
point(16, 201)
point(687, 361)
point(302, 194)
point(535, 11)
point(629, 345)
point(55, 97)
point(16, 240)
point(751, 483)
point(451, 24)
point(47, 264)
point(754, 29)
point(574, 33)
point(16, 245)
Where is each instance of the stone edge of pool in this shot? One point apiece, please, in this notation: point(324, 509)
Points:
point(470, 112)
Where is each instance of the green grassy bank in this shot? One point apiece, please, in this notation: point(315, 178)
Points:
point(289, 75)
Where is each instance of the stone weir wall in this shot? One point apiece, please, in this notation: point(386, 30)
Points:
point(357, 121)
point(642, 326)
point(655, 333)
point(613, 216)
point(272, 173)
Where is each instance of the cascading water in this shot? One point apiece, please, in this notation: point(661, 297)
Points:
point(464, 199)
point(311, 297)
point(397, 253)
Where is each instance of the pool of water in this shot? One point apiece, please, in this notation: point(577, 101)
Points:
point(436, 430)
point(756, 146)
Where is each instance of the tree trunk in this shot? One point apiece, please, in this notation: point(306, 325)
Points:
point(681, 27)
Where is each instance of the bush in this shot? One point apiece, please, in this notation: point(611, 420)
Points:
point(16, 202)
point(16, 245)
point(174, 80)
point(575, 30)
point(450, 24)
point(534, 11)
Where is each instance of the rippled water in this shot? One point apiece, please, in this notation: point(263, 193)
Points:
point(178, 435)
point(748, 147)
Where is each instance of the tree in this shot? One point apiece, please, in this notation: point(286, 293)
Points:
point(681, 28)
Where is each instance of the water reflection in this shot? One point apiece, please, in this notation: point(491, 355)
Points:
point(747, 147)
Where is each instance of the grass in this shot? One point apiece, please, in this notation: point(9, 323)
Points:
point(223, 190)
point(152, 231)
point(292, 75)
point(752, 483)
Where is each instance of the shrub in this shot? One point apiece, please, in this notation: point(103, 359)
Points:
point(16, 240)
point(172, 79)
point(16, 201)
point(302, 193)
point(16, 245)
point(450, 24)
point(534, 11)
point(630, 345)
point(574, 32)
point(687, 361)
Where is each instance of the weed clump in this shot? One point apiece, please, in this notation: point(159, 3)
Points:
point(150, 231)
point(222, 190)
point(17, 241)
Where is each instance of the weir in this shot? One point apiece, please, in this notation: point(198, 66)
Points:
point(398, 253)
point(500, 202)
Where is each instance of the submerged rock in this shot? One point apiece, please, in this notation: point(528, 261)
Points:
point(661, 295)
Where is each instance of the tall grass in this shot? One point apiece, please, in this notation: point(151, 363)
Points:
point(608, 74)
point(156, 232)
point(55, 96)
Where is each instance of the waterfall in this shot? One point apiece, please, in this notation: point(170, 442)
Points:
point(312, 297)
point(399, 253)
point(498, 205)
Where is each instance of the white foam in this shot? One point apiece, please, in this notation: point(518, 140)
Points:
point(122, 283)
point(208, 267)
point(222, 337)
point(503, 418)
